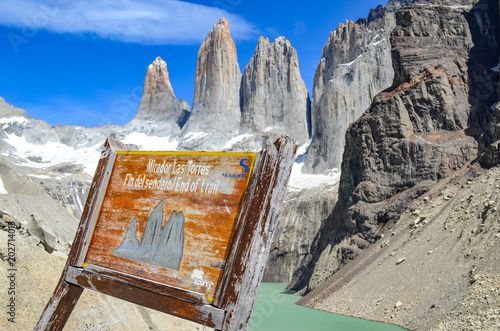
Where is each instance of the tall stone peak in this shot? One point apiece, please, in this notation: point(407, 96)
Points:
point(221, 31)
point(157, 77)
point(216, 115)
point(273, 94)
point(263, 40)
point(158, 63)
point(159, 105)
point(355, 65)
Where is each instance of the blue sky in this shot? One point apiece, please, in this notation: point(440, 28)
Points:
point(84, 62)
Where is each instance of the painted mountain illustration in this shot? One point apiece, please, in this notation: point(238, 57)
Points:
point(161, 246)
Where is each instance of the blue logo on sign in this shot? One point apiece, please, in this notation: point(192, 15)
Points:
point(243, 174)
point(244, 165)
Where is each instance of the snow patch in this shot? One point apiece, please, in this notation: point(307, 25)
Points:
point(464, 7)
point(302, 150)
point(234, 140)
point(78, 201)
point(374, 40)
point(2, 188)
point(13, 119)
point(375, 43)
point(158, 62)
point(299, 181)
point(40, 176)
point(493, 106)
point(269, 128)
point(350, 63)
point(145, 142)
point(52, 153)
point(194, 135)
point(497, 68)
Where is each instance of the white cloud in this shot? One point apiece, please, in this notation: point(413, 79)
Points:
point(146, 22)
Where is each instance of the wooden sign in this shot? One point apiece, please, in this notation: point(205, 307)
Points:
point(186, 233)
point(169, 216)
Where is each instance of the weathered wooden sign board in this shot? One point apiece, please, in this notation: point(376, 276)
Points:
point(186, 233)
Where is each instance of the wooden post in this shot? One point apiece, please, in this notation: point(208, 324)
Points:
point(241, 269)
point(60, 306)
point(254, 233)
point(66, 295)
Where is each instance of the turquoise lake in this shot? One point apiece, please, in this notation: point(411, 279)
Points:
point(275, 310)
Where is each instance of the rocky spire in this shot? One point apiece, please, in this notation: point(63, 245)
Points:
point(273, 94)
point(158, 103)
point(355, 65)
point(216, 115)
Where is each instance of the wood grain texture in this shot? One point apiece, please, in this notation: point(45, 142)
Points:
point(60, 306)
point(93, 203)
point(197, 185)
point(152, 286)
point(245, 265)
point(201, 313)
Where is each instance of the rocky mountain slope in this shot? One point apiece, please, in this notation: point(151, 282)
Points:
point(419, 131)
point(417, 212)
point(438, 268)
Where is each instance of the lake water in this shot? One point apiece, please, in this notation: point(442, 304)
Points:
point(275, 310)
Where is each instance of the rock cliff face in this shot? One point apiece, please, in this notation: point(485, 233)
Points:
point(273, 94)
point(296, 229)
point(412, 135)
point(274, 100)
point(159, 104)
point(489, 143)
point(486, 75)
point(216, 115)
point(355, 66)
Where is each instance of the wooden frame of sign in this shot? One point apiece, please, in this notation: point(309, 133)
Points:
point(206, 262)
